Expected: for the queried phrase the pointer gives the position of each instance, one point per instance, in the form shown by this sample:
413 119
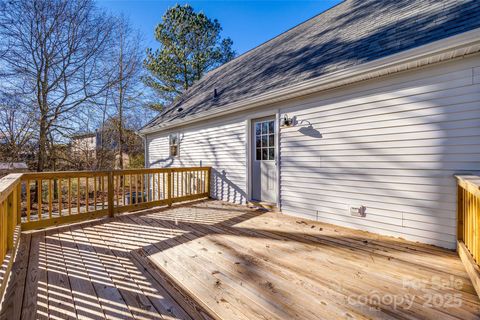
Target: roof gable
349 34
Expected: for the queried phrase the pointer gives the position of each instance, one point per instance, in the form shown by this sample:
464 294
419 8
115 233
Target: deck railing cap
7 183
473 180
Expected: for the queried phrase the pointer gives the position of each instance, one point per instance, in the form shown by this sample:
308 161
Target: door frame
249 147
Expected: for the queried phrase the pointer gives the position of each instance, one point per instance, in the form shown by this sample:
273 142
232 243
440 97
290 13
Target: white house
383 99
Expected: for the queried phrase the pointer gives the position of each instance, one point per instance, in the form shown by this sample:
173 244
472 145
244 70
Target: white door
264 164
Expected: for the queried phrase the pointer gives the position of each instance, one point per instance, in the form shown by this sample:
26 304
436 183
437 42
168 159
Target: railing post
209 172
169 188
18 203
10 220
110 194
460 229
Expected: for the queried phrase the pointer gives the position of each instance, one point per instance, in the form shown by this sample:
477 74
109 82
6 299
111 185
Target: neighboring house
91 146
85 144
384 103
12 167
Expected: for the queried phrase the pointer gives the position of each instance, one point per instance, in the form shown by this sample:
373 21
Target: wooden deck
215 260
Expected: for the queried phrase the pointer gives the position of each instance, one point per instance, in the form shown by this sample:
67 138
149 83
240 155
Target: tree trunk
42 146
120 105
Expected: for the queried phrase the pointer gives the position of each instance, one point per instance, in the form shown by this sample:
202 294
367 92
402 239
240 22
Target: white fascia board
438 51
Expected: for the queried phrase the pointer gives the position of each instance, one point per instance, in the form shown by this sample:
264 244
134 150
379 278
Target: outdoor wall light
286 121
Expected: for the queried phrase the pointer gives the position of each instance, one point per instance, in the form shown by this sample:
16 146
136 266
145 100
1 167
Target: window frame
174 145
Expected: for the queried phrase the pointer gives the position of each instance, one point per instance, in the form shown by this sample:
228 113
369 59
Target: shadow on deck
211 259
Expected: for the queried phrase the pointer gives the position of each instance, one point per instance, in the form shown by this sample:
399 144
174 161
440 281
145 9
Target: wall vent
358 211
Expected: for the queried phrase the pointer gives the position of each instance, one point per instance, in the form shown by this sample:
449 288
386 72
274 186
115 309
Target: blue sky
247 23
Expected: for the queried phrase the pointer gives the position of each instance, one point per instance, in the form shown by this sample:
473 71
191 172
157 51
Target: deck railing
51 198
37 200
468 226
9 224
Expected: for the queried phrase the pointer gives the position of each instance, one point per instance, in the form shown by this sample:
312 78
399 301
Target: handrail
9 224
52 198
40 199
468 226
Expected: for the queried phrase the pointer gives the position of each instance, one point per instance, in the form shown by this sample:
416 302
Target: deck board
213 260
12 309
109 297
85 298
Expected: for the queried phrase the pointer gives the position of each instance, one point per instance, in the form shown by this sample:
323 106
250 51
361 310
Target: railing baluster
142 176
78 195
95 193
11 219
136 189
50 198
39 201
111 210
87 195
69 196
153 186
195 181
148 188
28 200
122 185
160 186
130 186
164 187
117 183
102 183
60 197
169 188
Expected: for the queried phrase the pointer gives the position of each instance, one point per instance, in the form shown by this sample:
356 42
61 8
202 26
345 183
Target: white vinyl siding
221 146
391 144
393 151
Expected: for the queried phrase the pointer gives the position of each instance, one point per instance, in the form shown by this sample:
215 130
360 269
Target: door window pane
264 127
258 128
258 142
271 153
271 128
259 154
264 141
271 140
264 154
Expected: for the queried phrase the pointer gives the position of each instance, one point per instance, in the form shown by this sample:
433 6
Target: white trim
442 50
249 145
277 155
248 153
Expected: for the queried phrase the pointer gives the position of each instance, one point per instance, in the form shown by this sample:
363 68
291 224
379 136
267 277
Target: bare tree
127 92
16 129
56 54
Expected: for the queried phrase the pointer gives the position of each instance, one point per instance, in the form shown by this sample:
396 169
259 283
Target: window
174 145
265 140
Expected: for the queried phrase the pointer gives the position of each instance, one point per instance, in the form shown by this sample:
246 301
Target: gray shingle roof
13 166
349 34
